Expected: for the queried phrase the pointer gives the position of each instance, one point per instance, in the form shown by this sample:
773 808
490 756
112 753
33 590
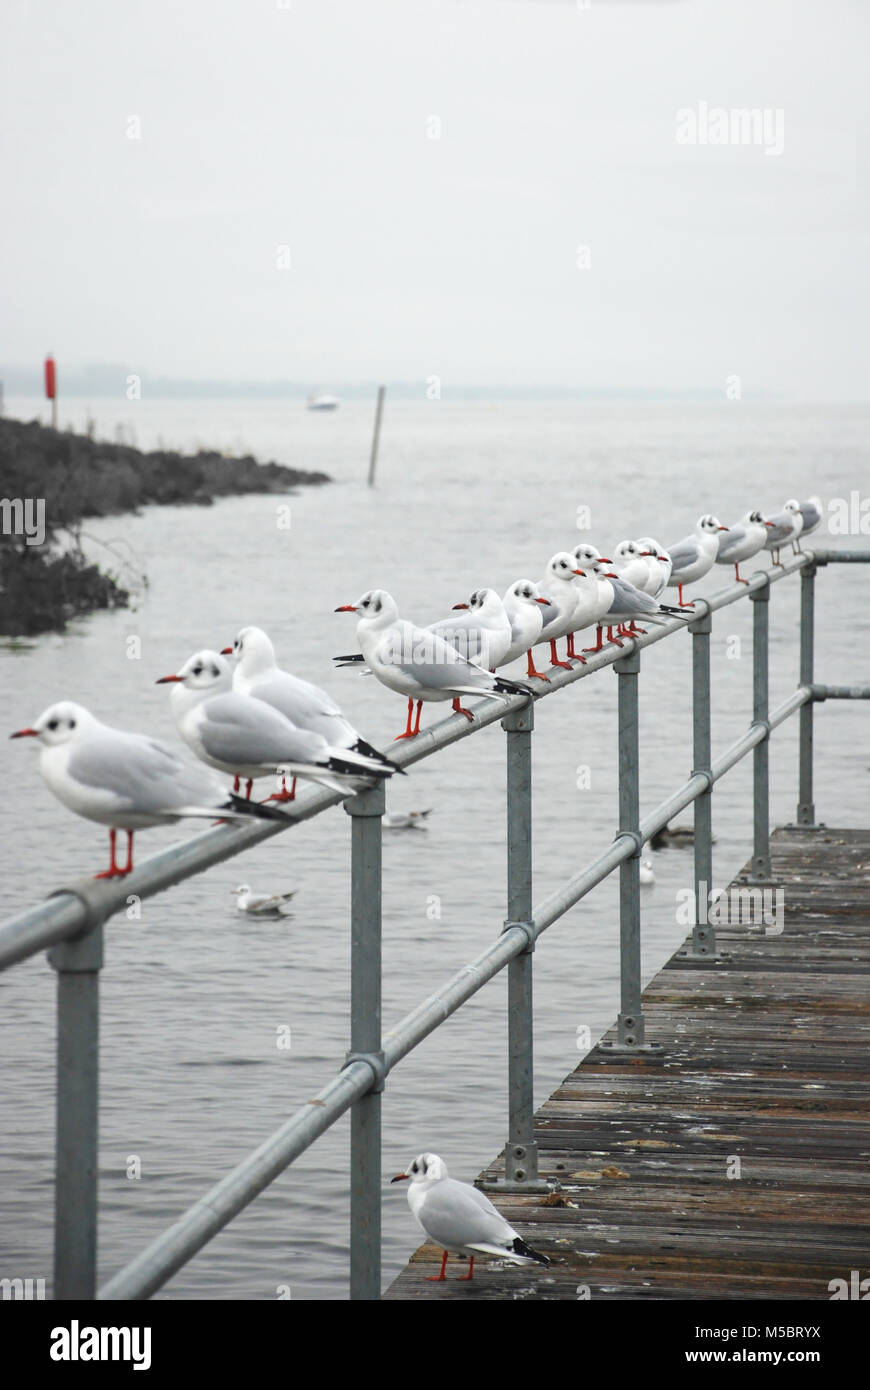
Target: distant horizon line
109 380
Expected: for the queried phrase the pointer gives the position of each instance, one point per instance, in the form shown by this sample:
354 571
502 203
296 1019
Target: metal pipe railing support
521 1150
366 810
630 1023
761 870
703 948
806 811
78 964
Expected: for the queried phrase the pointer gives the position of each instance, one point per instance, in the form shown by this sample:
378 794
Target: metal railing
70 924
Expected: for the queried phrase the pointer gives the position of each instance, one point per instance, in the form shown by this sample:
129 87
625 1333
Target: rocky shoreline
50 481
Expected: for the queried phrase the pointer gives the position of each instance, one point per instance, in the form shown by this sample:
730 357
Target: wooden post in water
379 410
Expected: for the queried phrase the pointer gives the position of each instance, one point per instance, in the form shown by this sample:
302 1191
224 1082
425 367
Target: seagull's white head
563 566
60 723
376 607
243 889
523 591
792 505
424 1168
625 551
709 524
485 601
254 648
649 545
586 555
205 670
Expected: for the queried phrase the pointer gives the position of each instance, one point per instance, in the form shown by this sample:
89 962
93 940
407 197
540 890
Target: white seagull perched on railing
480 631
418 663
126 781
785 526
461 1218
257 673
558 586
695 555
249 738
660 566
811 513
741 541
523 603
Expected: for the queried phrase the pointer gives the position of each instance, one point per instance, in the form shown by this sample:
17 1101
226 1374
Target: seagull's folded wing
425 657
685 552
454 1215
145 775
241 731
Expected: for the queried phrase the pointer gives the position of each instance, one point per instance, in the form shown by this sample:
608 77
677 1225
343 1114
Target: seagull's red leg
113 871
236 783
575 656
283 794
129 868
407 733
419 712
554 660
459 710
599 645
683 604
436 1278
248 785
531 668
470 1275
614 640
738 577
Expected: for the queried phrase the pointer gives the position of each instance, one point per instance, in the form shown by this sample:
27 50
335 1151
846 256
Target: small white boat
320 400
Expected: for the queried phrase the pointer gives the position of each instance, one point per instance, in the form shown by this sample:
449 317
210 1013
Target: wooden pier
736 1165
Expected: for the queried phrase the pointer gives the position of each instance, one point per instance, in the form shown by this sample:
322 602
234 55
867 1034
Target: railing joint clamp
707 775
764 724
818 693
377 1063
529 930
636 838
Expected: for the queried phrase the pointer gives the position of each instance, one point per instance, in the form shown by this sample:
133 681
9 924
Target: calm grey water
469 494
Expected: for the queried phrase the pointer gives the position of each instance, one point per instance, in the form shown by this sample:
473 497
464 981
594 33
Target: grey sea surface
196 999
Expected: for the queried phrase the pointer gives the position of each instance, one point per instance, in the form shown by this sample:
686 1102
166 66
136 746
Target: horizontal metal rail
76 913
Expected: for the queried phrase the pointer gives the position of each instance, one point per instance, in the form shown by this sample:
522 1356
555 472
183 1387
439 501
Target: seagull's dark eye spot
414 1168
197 670
72 723
378 606
52 723
215 671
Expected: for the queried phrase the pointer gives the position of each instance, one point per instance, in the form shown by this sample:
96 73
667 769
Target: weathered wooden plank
767 1059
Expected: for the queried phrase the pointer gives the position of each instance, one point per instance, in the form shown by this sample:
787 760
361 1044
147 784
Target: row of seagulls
130 781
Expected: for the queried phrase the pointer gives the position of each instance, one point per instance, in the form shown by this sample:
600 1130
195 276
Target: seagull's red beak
771 525
226 651
460 605
605 560
610 575
663 560
583 572
26 733
723 528
400 1177
345 608
545 601
164 680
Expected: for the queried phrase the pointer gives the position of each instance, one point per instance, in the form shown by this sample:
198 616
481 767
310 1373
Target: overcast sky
307 125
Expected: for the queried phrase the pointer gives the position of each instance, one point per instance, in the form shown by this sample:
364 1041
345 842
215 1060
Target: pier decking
735 1165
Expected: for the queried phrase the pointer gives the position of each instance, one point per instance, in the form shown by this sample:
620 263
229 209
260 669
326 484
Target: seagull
741 541
481 633
406 820
558 586
660 565
631 562
523 603
785 526
811 512
257 673
646 872
126 781
461 1218
261 904
417 663
692 557
248 738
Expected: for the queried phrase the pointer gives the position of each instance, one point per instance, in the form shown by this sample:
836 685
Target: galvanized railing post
703 946
521 1150
760 754
78 963
806 811
630 1024
366 810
